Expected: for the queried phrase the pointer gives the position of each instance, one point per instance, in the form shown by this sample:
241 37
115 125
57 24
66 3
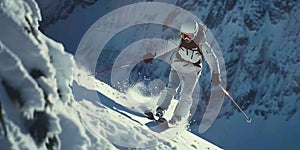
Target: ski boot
160 113
149 114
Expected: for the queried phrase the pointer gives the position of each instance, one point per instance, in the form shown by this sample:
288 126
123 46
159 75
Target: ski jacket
195 52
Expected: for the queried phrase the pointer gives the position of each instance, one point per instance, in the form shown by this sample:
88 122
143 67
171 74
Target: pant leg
168 93
188 84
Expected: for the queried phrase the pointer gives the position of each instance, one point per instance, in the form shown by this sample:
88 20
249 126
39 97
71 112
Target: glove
216 79
148 57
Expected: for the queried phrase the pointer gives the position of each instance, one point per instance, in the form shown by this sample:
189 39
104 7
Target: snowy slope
103 115
36 75
40 110
260 44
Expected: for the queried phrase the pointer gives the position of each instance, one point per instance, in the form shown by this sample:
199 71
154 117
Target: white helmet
189 30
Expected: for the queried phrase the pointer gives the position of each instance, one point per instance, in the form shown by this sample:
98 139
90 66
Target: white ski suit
186 63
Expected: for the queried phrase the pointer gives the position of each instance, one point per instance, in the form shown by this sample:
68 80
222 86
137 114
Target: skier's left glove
148 57
216 79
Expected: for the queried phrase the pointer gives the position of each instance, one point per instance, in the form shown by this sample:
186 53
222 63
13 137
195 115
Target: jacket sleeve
211 58
166 52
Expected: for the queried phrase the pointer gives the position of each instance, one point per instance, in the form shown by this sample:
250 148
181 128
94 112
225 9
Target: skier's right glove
148 57
216 79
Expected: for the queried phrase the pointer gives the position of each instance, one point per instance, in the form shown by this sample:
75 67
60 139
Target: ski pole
2 121
109 70
116 68
227 93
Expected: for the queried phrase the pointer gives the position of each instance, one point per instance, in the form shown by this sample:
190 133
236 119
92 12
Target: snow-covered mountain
60 9
261 54
259 41
43 107
259 44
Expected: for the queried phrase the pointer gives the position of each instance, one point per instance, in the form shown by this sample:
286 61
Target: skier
186 67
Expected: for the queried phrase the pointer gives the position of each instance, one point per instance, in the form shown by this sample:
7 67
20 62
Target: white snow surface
259 42
40 110
121 130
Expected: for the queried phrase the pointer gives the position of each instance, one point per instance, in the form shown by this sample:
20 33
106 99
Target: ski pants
184 74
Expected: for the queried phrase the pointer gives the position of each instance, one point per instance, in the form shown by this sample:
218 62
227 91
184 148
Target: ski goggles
187 36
